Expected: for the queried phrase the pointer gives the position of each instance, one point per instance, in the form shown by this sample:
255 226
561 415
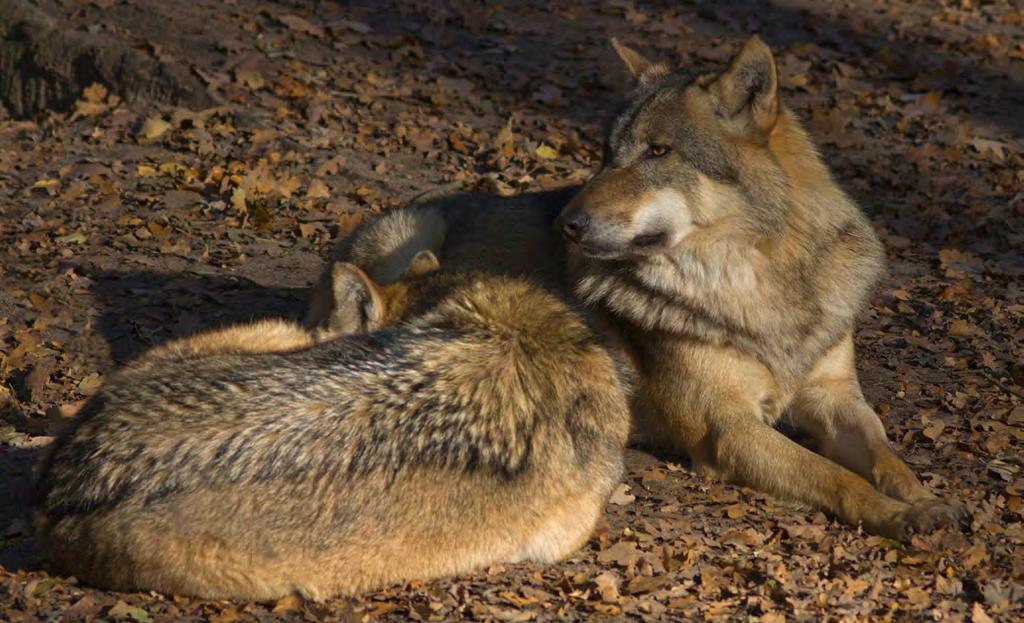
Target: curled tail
384 247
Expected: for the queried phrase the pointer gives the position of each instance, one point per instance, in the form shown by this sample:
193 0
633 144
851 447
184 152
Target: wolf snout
574 225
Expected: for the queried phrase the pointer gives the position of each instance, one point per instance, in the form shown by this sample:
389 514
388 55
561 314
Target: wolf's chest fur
785 304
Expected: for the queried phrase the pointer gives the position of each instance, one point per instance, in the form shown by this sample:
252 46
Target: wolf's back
366 460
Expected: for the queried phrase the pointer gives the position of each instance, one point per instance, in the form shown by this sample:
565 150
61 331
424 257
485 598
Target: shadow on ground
143 309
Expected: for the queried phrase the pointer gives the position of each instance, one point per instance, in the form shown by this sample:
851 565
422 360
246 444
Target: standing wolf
478 421
729 265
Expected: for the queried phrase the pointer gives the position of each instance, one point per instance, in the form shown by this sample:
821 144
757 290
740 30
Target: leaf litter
125 224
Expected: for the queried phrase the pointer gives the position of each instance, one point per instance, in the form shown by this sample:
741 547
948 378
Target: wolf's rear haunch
487 427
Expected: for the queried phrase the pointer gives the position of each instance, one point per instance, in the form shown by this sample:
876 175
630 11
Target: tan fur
728 266
462 433
272 335
511 236
735 290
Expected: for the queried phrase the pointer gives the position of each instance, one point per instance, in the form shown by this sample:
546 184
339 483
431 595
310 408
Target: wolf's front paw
929 515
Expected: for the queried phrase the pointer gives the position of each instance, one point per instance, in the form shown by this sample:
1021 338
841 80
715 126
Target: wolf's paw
929 515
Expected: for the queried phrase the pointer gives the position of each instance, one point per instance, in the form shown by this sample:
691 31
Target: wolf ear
422 263
357 304
748 91
639 67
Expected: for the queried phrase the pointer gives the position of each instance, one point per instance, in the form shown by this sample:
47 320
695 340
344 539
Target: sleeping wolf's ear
422 263
357 302
747 93
642 70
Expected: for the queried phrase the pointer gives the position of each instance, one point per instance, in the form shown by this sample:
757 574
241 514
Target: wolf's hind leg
831 407
262 336
849 432
564 530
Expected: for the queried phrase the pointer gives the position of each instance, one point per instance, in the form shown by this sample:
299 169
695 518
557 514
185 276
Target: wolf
446 431
716 244
726 264
505 236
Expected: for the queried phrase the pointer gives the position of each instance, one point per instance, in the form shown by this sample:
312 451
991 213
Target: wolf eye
659 150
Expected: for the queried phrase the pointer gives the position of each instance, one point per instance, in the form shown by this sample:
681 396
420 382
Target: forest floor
125 223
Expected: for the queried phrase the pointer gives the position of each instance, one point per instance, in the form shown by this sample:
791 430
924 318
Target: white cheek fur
668 210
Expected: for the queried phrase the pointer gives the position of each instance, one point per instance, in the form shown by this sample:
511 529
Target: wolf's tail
384 246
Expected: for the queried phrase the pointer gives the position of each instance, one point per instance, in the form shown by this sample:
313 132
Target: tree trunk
45 67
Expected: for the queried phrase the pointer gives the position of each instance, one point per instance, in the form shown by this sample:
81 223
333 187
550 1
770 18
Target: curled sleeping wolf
471 419
722 257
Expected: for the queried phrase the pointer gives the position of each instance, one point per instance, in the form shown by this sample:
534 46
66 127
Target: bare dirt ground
124 223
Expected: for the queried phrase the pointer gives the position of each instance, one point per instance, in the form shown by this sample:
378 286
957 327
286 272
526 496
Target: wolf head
690 153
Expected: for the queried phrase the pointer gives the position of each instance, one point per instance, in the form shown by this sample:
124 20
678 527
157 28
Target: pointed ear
422 263
748 92
639 67
357 302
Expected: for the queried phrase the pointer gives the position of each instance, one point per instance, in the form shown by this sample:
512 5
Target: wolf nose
575 225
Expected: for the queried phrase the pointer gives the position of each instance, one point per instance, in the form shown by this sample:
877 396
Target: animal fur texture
732 266
474 419
728 266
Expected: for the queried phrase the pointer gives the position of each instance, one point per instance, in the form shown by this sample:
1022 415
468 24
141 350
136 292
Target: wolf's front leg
746 451
717 405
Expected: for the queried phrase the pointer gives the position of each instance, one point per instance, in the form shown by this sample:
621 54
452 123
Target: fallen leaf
934 432
607 584
736 511
94 93
250 78
229 615
622 553
287 603
621 496
318 190
154 127
546 152
90 384
978 614
962 327
646 584
301 24
238 200
974 556
986 146
122 610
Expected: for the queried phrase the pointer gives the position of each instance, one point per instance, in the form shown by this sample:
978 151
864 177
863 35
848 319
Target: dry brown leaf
962 327
546 152
288 603
736 511
622 553
978 614
301 24
647 584
621 496
608 584
318 190
154 128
